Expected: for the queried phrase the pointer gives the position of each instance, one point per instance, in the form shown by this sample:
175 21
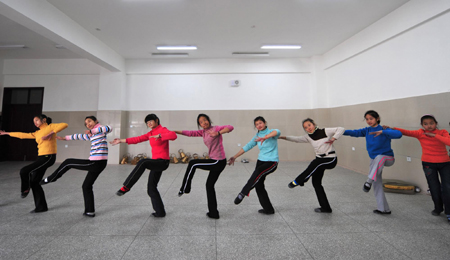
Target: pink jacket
214 144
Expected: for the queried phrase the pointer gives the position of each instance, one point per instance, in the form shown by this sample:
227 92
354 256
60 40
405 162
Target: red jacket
433 148
160 146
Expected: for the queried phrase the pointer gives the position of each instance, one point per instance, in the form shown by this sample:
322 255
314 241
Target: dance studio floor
125 229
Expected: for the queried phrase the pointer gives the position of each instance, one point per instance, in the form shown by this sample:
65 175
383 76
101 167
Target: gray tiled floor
124 229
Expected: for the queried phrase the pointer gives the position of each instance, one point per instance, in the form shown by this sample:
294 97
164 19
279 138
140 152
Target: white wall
205 84
70 85
112 90
382 64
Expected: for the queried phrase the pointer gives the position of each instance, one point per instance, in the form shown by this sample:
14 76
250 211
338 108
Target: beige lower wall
404 113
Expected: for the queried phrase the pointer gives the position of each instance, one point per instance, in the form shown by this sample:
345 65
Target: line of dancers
435 159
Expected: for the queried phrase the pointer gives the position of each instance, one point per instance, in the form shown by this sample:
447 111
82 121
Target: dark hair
41 117
93 118
427 117
308 120
205 116
259 118
374 114
153 117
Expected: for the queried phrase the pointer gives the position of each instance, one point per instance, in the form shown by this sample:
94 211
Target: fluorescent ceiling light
282 47
18 46
156 54
179 47
250 54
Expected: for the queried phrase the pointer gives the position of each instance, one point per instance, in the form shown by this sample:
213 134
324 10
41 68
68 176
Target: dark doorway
20 106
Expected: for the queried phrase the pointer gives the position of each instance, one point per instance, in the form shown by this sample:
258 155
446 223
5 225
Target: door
20 106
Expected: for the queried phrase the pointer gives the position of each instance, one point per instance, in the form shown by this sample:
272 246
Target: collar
44 125
315 129
156 128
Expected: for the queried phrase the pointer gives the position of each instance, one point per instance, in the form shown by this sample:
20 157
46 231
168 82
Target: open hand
115 141
46 137
231 161
260 139
430 134
376 133
60 138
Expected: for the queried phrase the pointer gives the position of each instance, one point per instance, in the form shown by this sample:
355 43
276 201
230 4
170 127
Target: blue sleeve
357 132
250 144
392 133
278 133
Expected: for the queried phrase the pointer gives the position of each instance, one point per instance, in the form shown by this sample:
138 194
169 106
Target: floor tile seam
176 235
299 240
42 246
135 237
376 233
355 220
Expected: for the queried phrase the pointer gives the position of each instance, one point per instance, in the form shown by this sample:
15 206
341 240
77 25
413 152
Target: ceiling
133 28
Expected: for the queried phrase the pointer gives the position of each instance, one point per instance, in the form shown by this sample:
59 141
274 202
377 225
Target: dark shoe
262 211
180 193
24 194
38 211
292 184
158 215
212 216
381 212
320 210
239 198
435 212
367 186
122 191
44 181
89 214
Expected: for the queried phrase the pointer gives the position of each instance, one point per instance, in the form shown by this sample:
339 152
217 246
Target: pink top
214 144
160 146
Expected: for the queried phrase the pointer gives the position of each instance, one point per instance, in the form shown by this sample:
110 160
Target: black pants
440 191
156 168
32 174
94 168
257 181
215 168
316 169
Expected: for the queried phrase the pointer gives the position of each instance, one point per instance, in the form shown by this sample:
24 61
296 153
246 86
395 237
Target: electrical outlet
408 158
353 148
66 145
239 145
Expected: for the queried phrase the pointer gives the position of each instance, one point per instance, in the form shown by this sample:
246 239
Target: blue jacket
376 145
268 151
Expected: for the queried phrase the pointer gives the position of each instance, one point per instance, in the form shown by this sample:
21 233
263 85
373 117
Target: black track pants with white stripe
94 168
215 168
257 181
32 174
316 169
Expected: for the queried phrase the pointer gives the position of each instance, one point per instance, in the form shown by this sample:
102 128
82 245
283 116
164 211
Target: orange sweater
433 148
44 146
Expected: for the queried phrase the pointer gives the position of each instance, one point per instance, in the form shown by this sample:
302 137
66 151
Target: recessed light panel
176 48
281 47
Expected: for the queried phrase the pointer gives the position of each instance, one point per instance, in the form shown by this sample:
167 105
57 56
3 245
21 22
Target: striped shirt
99 145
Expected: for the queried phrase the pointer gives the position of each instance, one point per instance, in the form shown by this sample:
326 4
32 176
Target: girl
434 160
158 137
212 137
378 144
32 174
267 141
96 133
325 158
